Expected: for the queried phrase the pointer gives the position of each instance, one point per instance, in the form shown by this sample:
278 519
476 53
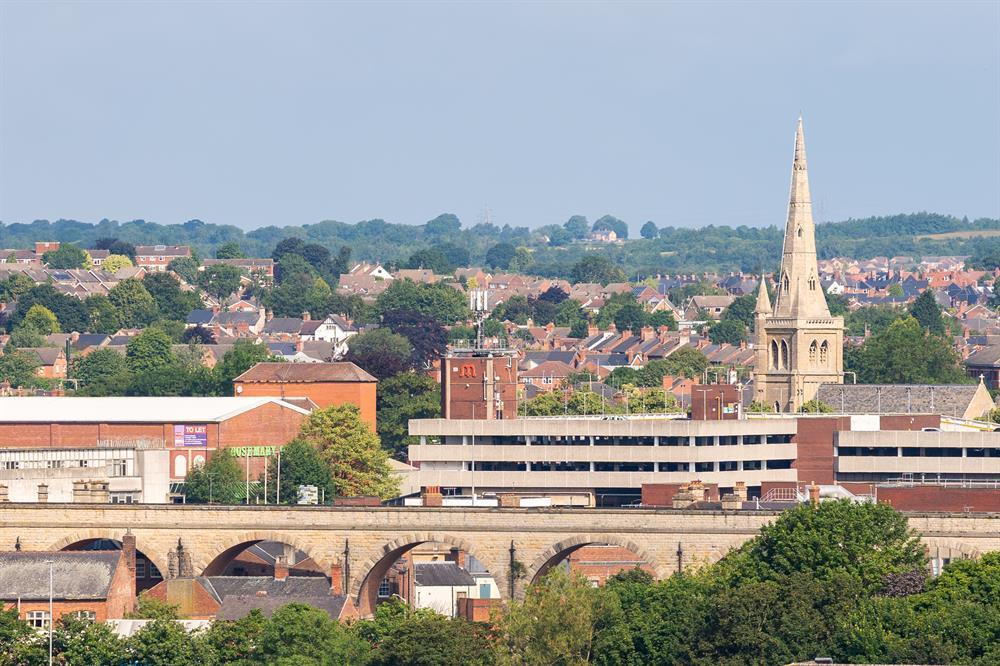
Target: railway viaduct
357 545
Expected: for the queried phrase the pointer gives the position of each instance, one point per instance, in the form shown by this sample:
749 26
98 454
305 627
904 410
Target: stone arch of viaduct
358 544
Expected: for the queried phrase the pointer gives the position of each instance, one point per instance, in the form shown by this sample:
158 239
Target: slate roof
283 325
947 400
223 587
441 574
200 317
344 371
76 575
988 356
236 607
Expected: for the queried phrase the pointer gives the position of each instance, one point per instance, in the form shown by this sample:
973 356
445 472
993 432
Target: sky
261 113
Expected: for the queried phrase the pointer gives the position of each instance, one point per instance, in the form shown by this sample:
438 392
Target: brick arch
364 587
157 558
952 550
213 559
555 553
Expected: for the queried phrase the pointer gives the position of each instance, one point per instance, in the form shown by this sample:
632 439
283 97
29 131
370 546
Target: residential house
156 258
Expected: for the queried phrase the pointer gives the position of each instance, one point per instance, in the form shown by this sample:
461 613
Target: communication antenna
479 304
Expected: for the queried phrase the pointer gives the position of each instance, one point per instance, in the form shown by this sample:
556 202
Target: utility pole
50 563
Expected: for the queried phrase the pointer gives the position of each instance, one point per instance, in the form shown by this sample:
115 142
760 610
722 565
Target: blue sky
681 113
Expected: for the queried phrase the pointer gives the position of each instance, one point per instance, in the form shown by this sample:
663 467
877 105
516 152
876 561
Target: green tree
358 464
25 337
500 256
431 259
69 310
41 319
86 643
630 316
742 310
727 331
405 396
115 262
220 280
425 334
380 352
562 620
301 465
305 635
219 481
595 268
577 226
430 639
164 643
243 356
649 231
895 290
136 306
905 353
172 301
862 542
186 268
236 642
19 642
149 351
815 406
611 223
18 368
438 300
231 250
102 316
148 607
67 256
926 311
101 372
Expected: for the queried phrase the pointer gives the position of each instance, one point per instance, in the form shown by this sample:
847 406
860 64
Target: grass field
982 233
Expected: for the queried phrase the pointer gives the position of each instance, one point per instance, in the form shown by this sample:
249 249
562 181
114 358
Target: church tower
798 344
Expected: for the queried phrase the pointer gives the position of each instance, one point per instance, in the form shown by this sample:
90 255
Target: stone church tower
798 344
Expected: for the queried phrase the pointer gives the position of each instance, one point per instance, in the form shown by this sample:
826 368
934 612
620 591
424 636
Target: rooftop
344 371
130 410
76 574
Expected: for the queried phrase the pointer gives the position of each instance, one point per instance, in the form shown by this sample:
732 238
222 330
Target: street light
50 563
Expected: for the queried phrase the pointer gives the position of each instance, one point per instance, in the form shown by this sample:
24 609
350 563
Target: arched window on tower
774 354
824 353
784 355
798 232
812 352
812 283
784 282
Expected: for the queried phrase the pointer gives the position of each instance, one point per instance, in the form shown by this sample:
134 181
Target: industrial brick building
155 441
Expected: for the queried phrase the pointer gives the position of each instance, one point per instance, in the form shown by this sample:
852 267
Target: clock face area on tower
799 344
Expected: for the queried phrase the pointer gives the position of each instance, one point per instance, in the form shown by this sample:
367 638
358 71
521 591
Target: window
824 352
86 615
813 347
751 465
384 589
154 572
140 568
798 232
784 354
674 467
10 464
119 467
774 354
728 466
38 619
180 467
703 466
54 464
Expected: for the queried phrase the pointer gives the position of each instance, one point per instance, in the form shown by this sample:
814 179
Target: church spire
763 300
799 293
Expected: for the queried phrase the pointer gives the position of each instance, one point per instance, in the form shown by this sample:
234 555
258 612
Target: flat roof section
603 427
343 371
130 410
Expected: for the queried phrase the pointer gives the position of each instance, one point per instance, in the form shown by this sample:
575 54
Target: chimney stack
128 550
280 568
814 494
741 490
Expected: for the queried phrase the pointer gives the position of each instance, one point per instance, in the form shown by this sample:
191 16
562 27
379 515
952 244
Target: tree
243 356
136 306
301 465
77 641
500 256
115 246
728 331
905 353
454 254
430 639
926 311
24 337
198 335
102 316
231 250
116 262
595 268
863 542
164 643
380 352
742 310
611 223
220 280
19 642
150 350
358 464
101 372
662 318
431 259
297 635
425 333
649 231
630 316
186 268
220 481
236 642
19 368
577 226
67 256
69 310
815 406
895 290
438 300
562 620
405 396
172 301
41 319
443 226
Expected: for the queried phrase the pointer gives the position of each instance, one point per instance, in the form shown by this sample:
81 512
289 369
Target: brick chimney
280 568
306 316
697 490
336 580
457 555
647 333
128 550
814 494
432 496
592 330
741 490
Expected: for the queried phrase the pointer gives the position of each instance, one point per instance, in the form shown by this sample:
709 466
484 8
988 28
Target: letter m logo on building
467 370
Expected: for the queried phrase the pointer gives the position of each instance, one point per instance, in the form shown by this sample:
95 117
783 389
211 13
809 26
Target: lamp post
50 563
